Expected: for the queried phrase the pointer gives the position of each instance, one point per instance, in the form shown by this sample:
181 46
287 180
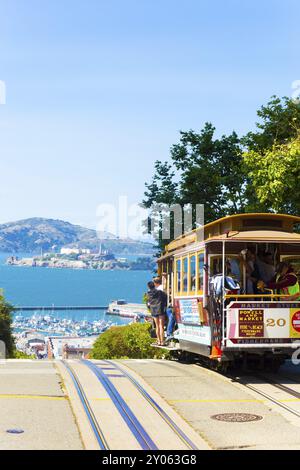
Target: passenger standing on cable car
252 271
169 314
157 302
285 282
158 283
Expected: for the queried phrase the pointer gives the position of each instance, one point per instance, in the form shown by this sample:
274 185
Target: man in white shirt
158 284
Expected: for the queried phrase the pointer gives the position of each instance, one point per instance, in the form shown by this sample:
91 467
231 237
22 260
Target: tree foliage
279 124
203 170
271 159
211 171
275 176
131 341
232 174
5 327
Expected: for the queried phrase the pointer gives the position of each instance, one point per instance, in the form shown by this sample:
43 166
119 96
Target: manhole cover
237 417
15 431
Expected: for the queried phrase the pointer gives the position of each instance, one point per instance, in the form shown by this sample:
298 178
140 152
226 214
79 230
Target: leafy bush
6 335
131 341
5 327
20 355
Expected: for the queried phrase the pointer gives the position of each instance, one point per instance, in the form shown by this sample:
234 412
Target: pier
60 307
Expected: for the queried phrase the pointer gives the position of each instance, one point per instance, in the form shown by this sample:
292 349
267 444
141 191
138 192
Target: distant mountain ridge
36 234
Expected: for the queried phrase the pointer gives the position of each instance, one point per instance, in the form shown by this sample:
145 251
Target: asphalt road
140 403
198 394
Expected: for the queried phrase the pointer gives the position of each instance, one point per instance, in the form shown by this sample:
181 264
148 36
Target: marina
128 310
49 324
46 334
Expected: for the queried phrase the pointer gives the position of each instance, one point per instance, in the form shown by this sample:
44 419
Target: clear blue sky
98 90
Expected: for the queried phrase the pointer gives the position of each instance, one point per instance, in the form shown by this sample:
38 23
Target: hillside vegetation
5 328
127 342
36 234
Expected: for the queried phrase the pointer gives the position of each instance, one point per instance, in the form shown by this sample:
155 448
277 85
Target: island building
75 251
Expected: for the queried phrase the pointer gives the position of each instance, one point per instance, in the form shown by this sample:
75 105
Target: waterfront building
60 346
70 251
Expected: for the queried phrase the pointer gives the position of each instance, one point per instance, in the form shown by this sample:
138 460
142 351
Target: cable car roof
249 227
268 236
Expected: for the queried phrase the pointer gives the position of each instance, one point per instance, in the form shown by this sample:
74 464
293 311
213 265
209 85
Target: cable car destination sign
262 321
251 323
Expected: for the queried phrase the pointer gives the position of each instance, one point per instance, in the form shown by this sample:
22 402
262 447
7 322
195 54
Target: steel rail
128 416
184 438
87 408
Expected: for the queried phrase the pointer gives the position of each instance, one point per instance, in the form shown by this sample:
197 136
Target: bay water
27 286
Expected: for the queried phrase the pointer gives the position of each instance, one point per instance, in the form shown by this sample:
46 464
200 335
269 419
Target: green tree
211 171
256 173
275 176
279 123
203 170
163 189
5 327
271 159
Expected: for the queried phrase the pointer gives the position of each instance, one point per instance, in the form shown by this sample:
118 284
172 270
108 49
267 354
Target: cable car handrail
255 296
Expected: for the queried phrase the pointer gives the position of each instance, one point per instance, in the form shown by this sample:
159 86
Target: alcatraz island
80 258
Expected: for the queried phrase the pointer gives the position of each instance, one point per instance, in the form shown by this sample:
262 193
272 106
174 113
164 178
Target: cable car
221 317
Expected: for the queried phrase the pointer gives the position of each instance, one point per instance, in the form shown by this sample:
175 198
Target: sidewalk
31 399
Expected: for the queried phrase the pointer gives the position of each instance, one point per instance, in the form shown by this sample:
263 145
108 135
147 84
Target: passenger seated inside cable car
285 282
255 265
266 265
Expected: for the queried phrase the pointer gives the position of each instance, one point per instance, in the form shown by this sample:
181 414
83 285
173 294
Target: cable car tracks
129 417
136 418
273 400
265 380
87 408
185 439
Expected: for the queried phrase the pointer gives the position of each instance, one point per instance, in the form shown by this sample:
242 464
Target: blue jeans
171 321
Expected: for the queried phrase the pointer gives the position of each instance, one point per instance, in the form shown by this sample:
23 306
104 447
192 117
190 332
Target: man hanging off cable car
285 282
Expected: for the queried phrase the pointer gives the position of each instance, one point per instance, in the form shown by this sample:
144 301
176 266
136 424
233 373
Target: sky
96 91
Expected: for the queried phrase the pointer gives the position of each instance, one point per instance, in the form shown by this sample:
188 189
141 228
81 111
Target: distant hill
36 234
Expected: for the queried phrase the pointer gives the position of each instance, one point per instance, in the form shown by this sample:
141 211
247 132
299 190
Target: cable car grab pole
224 292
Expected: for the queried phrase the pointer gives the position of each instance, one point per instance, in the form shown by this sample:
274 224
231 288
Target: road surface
145 404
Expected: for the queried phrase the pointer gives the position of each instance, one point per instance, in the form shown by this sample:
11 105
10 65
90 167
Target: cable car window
178 275
164 267
215 265
185 274
200 271
193 273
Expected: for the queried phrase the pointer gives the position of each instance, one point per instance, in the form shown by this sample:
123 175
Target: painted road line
184 438
128 416
272 399
217 401
31 397
231 401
